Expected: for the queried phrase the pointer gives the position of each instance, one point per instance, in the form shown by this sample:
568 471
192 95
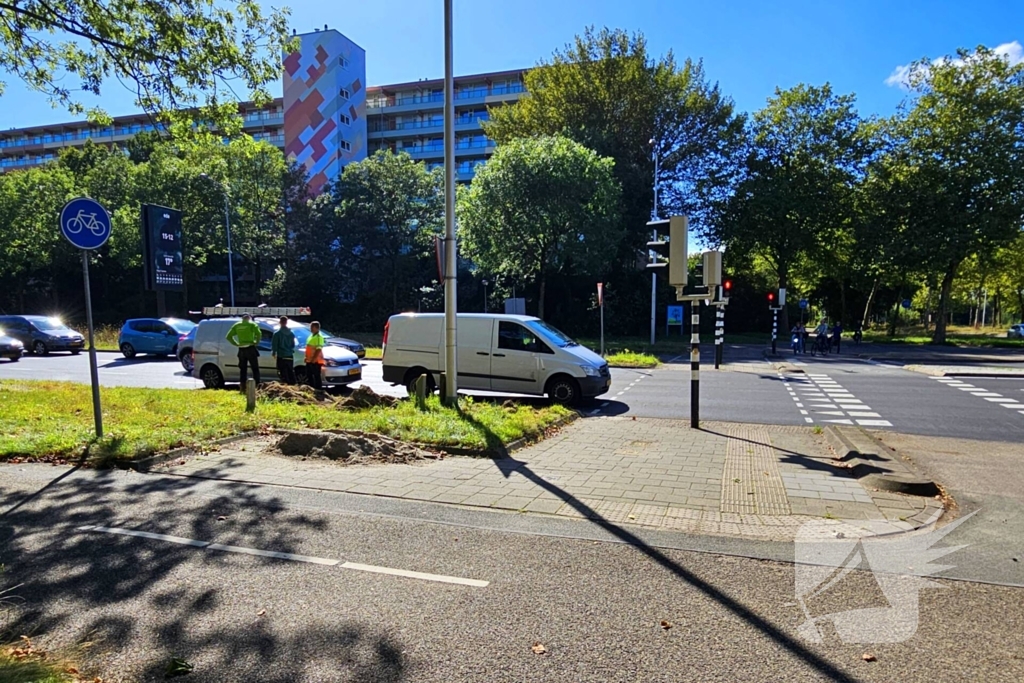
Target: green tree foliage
539 206
793 199
606 92
186 54
955 170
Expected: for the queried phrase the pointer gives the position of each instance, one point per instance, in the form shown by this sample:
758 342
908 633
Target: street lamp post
227 228
654 216
485 295
451 384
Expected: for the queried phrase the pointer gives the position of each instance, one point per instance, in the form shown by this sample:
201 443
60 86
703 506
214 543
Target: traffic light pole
775 327
719 333
694 364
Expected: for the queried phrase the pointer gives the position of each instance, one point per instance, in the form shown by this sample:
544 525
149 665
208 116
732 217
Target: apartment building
326 118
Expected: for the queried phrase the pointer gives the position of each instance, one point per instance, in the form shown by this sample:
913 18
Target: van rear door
474 335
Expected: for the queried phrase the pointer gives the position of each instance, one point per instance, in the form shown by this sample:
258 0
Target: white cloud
1012 52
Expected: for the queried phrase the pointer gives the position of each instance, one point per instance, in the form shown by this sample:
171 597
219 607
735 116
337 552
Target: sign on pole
803 303
86 224
906 303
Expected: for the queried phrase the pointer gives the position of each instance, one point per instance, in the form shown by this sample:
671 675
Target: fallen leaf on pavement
70 670
222 518
868 657
539 649
666 624
261 612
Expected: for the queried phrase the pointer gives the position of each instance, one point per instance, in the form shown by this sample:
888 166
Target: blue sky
748 47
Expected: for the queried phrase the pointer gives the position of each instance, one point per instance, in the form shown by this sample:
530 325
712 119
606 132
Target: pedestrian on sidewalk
282 348
246 336
315 356
837 335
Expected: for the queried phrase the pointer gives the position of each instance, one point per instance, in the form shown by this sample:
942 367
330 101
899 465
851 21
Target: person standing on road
246 335
837 335
282 348
315 356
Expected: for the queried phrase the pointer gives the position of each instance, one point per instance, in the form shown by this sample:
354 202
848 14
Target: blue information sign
85 223
803 303
906 303
675 315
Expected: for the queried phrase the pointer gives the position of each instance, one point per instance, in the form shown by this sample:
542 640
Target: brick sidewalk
756 481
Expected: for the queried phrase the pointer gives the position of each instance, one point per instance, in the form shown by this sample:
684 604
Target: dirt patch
363 397
350 447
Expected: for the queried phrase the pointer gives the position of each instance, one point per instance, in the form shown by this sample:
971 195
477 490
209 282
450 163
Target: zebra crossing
991 396
820 398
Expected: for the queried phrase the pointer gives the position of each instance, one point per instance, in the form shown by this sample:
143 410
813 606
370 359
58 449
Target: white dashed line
827 397
206 545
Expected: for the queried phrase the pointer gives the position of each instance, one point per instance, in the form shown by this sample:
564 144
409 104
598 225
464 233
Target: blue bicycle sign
85 223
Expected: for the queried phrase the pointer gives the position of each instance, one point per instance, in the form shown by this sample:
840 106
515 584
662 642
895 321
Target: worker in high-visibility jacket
315 356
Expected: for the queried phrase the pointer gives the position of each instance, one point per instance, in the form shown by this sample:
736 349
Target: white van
503 353
216 359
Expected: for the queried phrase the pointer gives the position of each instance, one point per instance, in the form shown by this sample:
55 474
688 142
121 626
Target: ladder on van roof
262 311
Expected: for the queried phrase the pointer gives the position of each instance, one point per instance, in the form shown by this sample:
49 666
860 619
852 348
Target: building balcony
397 104
401 130
257 119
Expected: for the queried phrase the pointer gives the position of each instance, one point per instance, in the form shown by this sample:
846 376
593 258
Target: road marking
809 419
1013 406
859 413
1001 400
441 578
206 545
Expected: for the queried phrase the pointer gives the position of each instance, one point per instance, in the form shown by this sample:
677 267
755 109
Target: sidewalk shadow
126 593
509 465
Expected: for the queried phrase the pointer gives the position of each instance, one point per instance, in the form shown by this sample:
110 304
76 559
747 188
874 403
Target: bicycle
83 221
821 346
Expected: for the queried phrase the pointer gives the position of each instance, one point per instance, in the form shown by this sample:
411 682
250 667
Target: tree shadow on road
133 598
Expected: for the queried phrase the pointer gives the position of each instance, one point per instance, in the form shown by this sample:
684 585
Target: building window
345 145
344 94
343 62
345 119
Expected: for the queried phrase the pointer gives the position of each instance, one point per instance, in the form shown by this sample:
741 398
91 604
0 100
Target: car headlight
331 363
591 371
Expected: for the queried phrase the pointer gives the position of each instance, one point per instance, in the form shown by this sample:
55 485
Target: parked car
157 336
185 343
331 340
215 360
41 335
504 353
1016 331
10 347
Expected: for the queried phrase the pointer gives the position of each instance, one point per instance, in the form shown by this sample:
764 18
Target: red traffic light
771 297
727 285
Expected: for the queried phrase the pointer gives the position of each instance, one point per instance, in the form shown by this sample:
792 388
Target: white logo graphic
85 220
896 559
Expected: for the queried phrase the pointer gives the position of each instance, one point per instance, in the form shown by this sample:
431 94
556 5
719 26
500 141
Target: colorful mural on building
325 105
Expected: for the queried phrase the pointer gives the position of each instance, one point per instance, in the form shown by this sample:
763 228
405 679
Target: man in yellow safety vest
315 356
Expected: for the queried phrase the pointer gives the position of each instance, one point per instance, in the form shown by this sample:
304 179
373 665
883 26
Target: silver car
1015 332
10 347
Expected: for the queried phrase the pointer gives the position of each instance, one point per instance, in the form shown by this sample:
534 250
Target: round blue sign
803 303
906 303
85 223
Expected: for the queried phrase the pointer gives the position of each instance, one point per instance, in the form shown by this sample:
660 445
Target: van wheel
128 350
564 390
212 378
415 374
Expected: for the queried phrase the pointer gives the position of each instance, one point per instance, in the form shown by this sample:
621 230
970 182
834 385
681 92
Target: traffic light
726 288
771 298
712 276
673 251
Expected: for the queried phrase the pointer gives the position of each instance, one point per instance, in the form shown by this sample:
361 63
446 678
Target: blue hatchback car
157 336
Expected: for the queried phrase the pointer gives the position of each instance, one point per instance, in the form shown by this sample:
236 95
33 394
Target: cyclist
821 336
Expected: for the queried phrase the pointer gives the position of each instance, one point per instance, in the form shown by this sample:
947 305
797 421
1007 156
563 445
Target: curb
870 463
935 372
145 464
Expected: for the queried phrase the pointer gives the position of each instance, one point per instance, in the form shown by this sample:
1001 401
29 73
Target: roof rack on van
267 311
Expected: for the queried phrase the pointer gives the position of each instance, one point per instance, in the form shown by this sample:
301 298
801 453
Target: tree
538 206
606 92
793 198
187 54
390 208
959 162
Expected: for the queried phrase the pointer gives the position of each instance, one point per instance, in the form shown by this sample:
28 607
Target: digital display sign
163 257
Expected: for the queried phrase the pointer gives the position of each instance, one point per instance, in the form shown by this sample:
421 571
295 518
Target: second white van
502 353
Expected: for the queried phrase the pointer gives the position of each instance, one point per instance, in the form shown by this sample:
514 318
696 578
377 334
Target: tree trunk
868 303
1020 301
543 286
944 294
394 284
842 301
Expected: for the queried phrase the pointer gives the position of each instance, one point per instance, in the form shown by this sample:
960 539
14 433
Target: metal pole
719 334
231 267
695 364
654 238
451 387
775 327
97 413
602 326
485 296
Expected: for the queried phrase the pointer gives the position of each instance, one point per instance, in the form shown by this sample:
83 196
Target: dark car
10 347
156 336
41 334
331 340
185 344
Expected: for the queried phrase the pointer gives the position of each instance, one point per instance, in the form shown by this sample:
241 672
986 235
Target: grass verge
632 359
40 419
21 662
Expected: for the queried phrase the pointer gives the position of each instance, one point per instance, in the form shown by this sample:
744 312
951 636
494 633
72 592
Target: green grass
956 335
54 419
631 359
30 671
671 346
104 336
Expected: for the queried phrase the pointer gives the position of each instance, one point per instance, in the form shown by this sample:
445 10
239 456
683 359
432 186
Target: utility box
515 306
712 268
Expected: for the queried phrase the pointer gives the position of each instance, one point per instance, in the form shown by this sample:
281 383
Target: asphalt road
594 597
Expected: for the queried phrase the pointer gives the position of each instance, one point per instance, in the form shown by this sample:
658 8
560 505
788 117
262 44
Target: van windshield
551 334
49 324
